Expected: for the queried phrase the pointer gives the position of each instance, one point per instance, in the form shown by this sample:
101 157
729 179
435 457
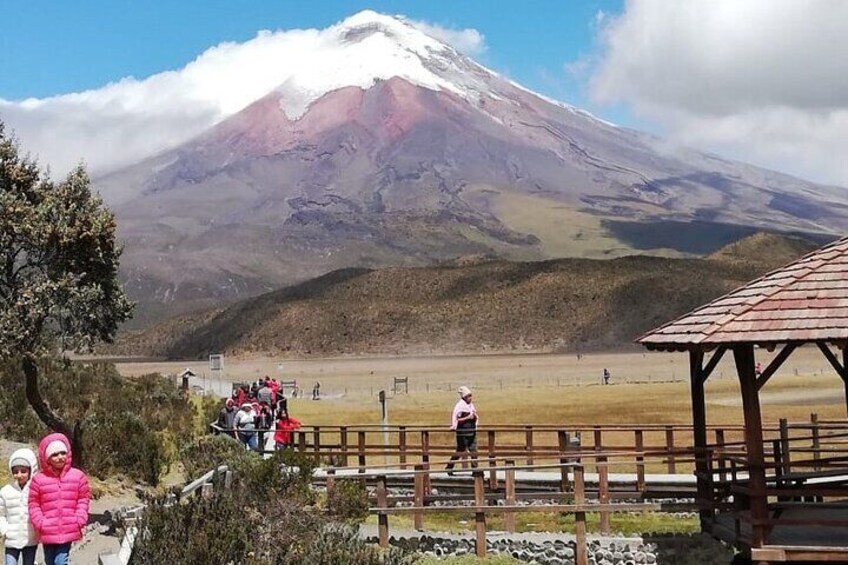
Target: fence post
528 444
784 446
669 446
493 474
418 497
479 515
719 439
814 421
562 440
382 517
603 492
331 478
402 446
343 444
639 442
316 440
580 549
301 442
425 458
598 445
361 450
509 516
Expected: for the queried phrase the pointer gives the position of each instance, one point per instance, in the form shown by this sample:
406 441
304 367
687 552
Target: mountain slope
474 305
394 149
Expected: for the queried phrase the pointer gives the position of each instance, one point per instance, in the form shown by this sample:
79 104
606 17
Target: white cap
55 447
464 391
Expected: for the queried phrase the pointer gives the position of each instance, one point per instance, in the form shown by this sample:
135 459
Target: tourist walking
606 376
59 497
245 424
227 418
316 391
284 435
19 536
464 423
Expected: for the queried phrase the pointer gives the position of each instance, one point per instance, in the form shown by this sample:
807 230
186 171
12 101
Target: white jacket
15 526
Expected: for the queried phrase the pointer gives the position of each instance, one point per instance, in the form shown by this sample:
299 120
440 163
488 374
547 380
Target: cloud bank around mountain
130 119
763 81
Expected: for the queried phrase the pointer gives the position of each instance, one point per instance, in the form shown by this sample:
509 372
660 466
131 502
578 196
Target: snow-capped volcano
369 47
385 146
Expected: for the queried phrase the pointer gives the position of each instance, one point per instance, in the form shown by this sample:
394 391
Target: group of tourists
256 410
46 502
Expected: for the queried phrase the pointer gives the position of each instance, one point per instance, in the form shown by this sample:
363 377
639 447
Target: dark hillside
475 305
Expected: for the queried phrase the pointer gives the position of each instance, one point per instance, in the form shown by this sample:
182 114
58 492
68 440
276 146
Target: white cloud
128 120
468 41
762 80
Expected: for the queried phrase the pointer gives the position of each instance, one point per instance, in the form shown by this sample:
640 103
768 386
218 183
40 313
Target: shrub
123 443
208 452
347 501
129 426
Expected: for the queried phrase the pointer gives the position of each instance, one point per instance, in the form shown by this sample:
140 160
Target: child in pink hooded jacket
59 497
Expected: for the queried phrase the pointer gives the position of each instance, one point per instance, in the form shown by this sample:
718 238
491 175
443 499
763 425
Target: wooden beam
699 427
745 367
844 375
711 364
840 369
775 364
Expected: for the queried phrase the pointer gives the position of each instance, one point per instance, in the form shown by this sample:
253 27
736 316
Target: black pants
465 442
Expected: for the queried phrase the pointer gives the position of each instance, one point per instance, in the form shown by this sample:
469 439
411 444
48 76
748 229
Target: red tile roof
805 301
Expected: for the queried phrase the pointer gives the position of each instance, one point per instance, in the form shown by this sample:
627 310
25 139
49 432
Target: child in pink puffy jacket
59 496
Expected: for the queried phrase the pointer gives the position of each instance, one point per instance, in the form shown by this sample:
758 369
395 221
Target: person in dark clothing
264 422
464 423
227 417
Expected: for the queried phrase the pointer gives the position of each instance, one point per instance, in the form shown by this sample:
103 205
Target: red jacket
285 429
58 503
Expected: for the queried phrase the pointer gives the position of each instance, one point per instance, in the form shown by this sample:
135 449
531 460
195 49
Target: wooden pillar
844 374
745 367
699 430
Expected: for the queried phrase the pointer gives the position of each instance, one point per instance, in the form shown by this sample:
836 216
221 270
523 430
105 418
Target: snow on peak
368 47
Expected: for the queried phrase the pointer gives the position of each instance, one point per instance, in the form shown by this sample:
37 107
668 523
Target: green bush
267 516
129 426
347 501
209 452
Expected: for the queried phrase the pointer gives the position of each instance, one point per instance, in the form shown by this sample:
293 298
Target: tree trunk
47 415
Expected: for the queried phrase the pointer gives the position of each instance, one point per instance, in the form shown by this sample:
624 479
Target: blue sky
51 48
761 81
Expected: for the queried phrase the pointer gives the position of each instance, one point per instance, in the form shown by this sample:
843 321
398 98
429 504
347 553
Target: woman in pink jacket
59 496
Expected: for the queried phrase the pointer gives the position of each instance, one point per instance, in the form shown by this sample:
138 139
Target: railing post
639 443
562 440
580 550
301 442
784 447
719 439
361 450
493 474
509 516
669 446
598 441
603 492
479 515
425 459
402 446
343 445
528 443
418 497
382 517
814 421
316 441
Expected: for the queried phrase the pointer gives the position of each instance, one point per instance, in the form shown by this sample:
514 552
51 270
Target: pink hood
42 456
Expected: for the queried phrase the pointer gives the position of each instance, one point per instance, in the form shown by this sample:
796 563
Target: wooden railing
499 496
806 469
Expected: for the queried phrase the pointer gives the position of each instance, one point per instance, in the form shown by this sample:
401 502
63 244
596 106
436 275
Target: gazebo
769 509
